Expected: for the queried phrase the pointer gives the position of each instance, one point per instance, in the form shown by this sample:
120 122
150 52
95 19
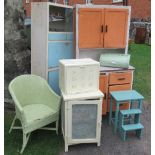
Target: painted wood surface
57 51
79 76
57 36
39 28
82 96
53 80
90 28
116 23
60 36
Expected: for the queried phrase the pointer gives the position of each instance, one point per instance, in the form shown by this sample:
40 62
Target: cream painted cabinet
81 116
79 75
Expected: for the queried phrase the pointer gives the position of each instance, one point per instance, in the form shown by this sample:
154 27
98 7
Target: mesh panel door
84 118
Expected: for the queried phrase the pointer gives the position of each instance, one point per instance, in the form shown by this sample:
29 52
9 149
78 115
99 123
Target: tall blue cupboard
51 39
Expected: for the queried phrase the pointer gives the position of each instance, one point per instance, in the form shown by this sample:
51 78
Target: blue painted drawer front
60 36
57 51
57 36
53 80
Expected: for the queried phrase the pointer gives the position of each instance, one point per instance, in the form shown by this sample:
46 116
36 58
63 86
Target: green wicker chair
36 105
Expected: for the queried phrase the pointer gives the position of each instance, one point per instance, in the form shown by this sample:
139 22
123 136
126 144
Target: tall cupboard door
104 88
116 24
90 28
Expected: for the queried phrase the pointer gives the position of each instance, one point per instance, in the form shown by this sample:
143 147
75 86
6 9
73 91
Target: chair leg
25 140
57 126
13 122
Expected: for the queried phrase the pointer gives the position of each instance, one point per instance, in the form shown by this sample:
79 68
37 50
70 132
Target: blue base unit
53 80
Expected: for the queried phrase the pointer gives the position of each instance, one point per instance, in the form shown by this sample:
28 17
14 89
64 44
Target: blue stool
121 97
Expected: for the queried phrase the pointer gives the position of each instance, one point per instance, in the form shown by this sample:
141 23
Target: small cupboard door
104 88
83 120
116 23
90 28
59 50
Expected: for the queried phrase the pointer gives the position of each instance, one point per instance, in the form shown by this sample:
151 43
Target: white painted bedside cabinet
81 116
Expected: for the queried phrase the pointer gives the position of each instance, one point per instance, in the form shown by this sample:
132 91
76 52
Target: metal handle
105 96
106 28
101 28
121 79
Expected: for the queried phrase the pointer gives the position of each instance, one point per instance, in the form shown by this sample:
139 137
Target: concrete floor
112 144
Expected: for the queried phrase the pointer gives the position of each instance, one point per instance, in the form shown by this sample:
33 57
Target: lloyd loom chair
36 105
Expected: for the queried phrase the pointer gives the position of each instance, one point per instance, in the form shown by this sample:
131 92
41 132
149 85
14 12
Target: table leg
140 104
131 106
116 117
110 112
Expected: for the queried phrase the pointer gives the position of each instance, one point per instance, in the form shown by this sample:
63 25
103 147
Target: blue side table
120 97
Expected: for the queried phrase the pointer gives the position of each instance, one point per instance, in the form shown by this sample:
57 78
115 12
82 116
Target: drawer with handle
120 78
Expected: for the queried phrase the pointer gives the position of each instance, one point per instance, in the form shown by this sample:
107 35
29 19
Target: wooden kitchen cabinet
114 81
103 27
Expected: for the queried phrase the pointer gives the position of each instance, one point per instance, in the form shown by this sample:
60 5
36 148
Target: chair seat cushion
36 112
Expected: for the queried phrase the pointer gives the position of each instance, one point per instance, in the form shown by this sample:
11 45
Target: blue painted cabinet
51 40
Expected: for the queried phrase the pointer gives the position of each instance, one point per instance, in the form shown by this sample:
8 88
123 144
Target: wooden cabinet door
90 28
116 26
103 86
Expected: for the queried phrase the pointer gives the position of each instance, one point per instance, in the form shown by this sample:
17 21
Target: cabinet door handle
105 96
106 28
121 79
101 28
